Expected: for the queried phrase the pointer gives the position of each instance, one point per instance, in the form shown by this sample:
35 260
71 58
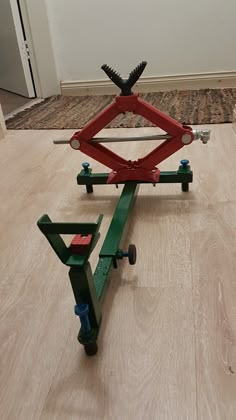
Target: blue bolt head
184 163
86 166
82 309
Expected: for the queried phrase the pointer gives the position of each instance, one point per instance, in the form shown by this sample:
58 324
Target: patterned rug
204 106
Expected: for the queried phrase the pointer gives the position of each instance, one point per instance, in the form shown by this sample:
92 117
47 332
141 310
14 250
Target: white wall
174 36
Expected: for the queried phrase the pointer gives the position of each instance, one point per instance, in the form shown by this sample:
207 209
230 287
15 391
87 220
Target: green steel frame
89 288
181 176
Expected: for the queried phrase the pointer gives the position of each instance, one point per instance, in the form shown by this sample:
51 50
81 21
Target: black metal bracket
125 85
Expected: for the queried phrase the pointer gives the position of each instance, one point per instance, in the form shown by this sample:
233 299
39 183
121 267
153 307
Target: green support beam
101 276
112 240
166 177
115 231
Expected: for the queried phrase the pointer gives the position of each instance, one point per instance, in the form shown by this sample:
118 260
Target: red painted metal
80 244
143 169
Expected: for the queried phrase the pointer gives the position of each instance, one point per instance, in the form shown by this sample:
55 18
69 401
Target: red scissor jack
89 287
143 169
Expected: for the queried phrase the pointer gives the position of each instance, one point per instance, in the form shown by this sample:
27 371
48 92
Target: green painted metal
110 248
87 287
101 274
184 171
80 273
85 292
47 226
52 232
166 177
115 231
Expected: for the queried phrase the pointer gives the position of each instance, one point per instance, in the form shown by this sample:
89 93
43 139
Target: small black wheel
89 188
91 348
132 254
185 186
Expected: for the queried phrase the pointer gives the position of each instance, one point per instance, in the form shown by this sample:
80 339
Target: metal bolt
125 254
184 163
82 310
121 254
131 254
86 167
203 135
186 138
75 144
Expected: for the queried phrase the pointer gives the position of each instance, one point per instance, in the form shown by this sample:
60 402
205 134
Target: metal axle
203 135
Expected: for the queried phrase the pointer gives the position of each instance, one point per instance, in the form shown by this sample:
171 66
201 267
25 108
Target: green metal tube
112 240
115 231
166 177
101 276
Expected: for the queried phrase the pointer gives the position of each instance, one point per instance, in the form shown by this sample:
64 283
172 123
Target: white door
15 70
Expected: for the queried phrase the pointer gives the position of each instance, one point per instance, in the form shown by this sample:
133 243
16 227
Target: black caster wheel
132 254
89 189
91 348
185 186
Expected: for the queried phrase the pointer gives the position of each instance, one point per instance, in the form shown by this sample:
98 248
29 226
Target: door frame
3 130
36 26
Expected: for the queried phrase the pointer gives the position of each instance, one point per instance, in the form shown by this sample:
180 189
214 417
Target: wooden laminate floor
167 348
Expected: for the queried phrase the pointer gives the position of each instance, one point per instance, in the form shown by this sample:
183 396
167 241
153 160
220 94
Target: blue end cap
82 309
86 166
184 163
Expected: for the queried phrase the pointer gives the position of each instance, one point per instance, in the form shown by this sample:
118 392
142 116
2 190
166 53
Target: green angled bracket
52 231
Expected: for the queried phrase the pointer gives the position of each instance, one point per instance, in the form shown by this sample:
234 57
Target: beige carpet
205 106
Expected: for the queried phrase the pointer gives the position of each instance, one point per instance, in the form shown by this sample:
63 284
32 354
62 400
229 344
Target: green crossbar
166 177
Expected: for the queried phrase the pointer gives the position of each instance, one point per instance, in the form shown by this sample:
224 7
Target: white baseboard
152 84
